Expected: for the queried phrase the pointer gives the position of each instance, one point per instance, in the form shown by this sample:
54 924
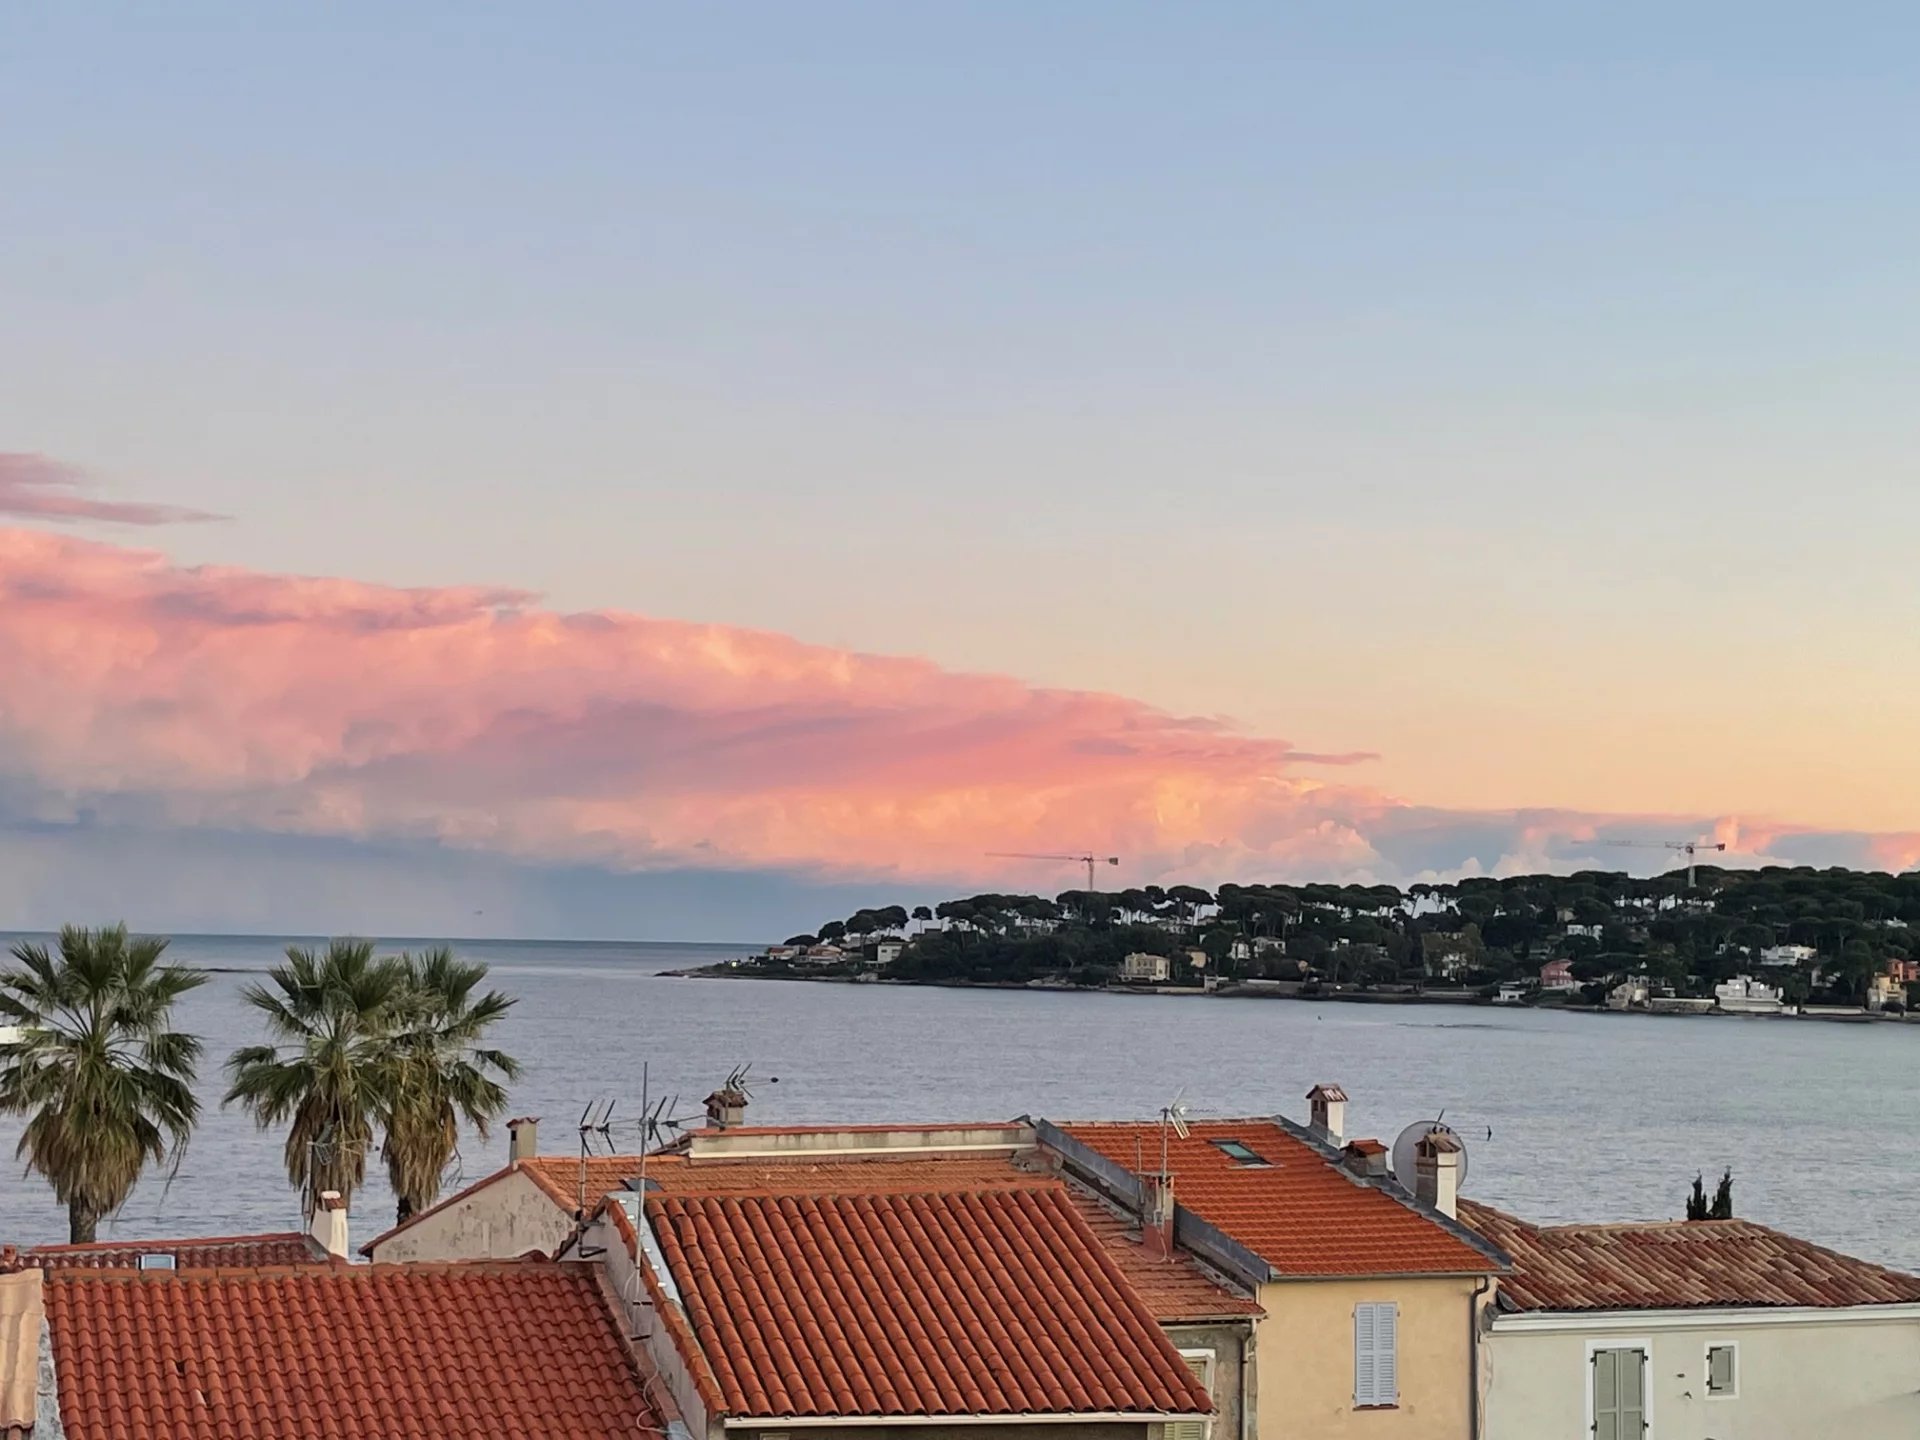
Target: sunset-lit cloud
141 693
33 487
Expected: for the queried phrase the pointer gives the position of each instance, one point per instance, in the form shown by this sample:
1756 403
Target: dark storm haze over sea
1593 1117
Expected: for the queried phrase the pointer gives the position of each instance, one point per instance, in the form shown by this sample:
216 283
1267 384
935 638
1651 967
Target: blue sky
1517 393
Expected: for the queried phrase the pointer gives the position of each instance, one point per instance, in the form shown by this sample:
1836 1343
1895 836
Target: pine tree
1723 1199
1697 1202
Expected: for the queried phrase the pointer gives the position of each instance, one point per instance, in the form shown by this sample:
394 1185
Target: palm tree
105 1080
329 1068
442 1073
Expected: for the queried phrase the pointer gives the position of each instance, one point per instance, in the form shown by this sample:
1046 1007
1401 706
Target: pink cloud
478 719
33 487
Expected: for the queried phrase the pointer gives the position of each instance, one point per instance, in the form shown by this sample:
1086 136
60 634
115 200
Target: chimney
726 1109
1365 1158
1436 1170
1156 1216
1329 1121
329 1225
523 1138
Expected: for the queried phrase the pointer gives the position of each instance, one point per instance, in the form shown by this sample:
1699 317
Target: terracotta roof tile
1300 1211
194 1253
1175 1289
1675 1265
996 1301
432 1352
20 1319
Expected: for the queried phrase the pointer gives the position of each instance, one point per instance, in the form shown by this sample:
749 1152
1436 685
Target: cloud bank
33 487
136 693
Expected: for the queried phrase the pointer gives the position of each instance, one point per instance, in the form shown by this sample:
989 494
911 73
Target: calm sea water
1591 1117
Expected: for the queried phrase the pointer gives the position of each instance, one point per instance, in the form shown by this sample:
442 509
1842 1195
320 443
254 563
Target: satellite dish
1403 1158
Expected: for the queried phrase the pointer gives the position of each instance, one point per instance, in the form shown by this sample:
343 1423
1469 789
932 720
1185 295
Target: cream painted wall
500 1221
1306 1360
1806 1380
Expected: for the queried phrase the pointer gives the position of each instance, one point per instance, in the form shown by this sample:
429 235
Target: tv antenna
1173 1116
1087 860
1405 1157
596 1119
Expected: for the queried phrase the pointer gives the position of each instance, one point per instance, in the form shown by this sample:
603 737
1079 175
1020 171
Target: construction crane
1087 860
1686 847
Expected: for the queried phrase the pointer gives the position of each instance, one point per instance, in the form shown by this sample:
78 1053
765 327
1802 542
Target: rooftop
1263 1184
992 1300
1676 1265
290 1247
429 1351
1176 1290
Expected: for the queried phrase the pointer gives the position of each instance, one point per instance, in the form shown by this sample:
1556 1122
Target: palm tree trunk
81 1222
403 1210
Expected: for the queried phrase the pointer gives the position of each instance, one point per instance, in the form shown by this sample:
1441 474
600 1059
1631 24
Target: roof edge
1004 1417
435 1208
1500 1260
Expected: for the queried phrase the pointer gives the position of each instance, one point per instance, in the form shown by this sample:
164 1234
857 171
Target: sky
683 472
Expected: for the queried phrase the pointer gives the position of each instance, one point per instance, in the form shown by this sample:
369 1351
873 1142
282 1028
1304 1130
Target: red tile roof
433 1352
996 1301
1301 1212
1175 1289
829 1174
1675 1265
196 1253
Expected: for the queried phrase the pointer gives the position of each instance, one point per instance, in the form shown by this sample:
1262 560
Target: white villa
1709 1328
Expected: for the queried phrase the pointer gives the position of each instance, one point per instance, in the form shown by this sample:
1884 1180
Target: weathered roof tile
1677 1264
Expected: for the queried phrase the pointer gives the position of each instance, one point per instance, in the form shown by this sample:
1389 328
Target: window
1376 1355
1619 1394
1200 1362
156 1262
1240 1152
1723 1371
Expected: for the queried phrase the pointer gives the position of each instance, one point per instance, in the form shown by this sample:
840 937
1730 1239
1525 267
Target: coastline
1466 998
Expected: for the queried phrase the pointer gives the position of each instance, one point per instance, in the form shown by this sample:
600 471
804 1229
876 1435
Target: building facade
1696 1330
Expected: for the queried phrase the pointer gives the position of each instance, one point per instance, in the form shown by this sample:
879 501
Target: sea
1566 1117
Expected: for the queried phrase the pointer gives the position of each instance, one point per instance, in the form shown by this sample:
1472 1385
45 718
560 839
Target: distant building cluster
1707 939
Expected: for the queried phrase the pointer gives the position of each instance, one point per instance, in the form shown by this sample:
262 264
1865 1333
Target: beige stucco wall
499 1221
1306 1360
1807 1380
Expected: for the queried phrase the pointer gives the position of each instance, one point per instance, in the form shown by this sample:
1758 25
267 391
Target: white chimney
330 1223
1436 1171
523 1138
1329 1121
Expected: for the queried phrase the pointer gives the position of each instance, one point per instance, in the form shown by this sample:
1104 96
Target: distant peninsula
1777 940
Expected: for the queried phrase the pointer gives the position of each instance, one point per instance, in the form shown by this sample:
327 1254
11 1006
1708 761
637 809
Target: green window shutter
1606 1395
1633 1395
1720 1372
1619 1395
